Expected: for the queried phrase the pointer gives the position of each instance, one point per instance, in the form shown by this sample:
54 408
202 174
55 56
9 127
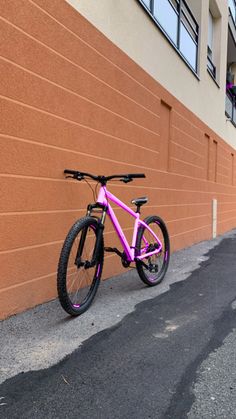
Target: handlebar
75 174
136 175
79 175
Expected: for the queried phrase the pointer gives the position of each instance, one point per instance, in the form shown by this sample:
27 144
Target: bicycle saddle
140 201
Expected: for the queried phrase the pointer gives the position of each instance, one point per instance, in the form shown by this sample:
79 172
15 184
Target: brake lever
126 179
76 177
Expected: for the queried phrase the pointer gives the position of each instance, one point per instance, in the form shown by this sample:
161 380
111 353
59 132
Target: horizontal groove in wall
225 147
106 233
226 212
19 213
222 157
143 148
75 210
176 220
77 66
71 92
180 154
40 278
188 121
227 220
94 49
14 227
58 242
190 231
185 162
37 246
18 102
185 176
221 204
187 135
225 169
46 96
114 184
183 205
87 133
51 152
188 149
73 63
222 175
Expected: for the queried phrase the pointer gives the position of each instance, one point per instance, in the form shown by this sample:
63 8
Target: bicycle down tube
103 197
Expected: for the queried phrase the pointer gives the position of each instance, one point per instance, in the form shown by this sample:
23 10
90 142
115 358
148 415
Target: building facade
105 87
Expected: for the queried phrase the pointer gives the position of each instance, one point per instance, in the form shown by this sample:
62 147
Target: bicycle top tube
75 174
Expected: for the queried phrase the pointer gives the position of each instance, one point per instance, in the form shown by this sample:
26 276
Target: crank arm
143 263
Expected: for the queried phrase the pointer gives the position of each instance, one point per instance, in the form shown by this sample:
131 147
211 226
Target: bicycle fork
99 235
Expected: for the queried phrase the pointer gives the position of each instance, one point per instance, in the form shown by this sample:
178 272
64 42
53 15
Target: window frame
180 12
232 114
211 67
231 12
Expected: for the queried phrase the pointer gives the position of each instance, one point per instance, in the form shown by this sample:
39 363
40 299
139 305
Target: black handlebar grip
137 175
71 172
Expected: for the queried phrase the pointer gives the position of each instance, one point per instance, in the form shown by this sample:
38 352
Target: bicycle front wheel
77 278
153 268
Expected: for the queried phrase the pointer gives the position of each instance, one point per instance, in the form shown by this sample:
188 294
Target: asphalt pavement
139 352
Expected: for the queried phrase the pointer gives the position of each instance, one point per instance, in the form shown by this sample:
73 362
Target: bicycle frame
103 199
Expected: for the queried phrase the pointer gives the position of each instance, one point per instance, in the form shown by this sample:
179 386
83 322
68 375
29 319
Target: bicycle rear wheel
153 268
77 282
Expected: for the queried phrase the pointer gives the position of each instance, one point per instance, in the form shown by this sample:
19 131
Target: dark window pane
211 67
175 3
228 105
189 19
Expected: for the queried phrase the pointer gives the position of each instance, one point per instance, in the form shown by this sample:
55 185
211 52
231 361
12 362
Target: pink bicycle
81 260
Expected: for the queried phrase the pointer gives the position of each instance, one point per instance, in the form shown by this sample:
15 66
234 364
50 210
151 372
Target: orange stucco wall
70 99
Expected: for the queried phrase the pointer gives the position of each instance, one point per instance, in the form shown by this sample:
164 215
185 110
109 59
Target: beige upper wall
126 23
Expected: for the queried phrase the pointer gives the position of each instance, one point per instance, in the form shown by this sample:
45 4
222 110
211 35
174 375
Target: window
210 34
232 8
177 22
167 16
188 36
147 3
211 67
